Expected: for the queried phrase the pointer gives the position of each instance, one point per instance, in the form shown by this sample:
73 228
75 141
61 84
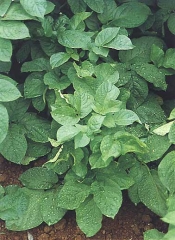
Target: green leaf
110 7
107 71
66 133
129 143
78 18
8 91
72 195
65 116
121 42
171 23
89 217
37 128
166 171
35 7
131 14
5 66
75 39
152 74
16 12
164 129
151 194
49 208
169 218
150 111
157 55
171 134
169 58
107 196
37 150
94 123
16 109
157 146
81 140
14 146
5 50
142 50
153 234
4 122
78 6
55 82
110 147
36 65
58 59
38 178
4 5
34 86
172 115
106 35
83 103
95 5
125 117
31 215
13 30
168 5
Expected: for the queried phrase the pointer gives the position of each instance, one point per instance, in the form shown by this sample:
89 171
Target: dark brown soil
129 224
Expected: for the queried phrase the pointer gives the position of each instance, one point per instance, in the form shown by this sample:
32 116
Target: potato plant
87 84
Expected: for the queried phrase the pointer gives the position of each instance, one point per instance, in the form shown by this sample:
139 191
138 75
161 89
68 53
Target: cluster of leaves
81 82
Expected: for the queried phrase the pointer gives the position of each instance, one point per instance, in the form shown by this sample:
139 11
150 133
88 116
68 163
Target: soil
129 224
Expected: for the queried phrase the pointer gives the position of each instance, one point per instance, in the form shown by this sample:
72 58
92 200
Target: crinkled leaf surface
107 196
38 178
72 195
4 5
89 217
14 146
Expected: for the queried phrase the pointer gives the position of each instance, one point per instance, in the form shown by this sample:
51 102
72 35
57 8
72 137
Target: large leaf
125 117
121 42
157 146
49 207
66 133
107 196
37 128
5 50
72 195
38 178
151 193
110 7
4 5
77 6
55 82
74 39
35 7
142 50
30 217
106 35
17 12
34 86
58 59
8 91
89 217
168 5
131 14
95 5
14 146
13 30
4 122
166 171
36 65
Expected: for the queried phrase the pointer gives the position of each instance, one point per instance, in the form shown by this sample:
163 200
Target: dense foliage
89 84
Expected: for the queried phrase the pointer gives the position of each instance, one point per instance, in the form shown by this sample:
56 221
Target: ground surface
129 224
